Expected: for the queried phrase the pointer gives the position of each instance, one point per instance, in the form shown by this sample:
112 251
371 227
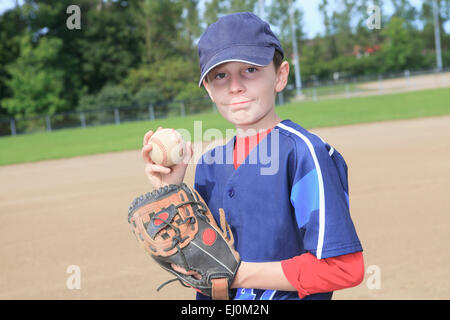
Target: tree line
140 52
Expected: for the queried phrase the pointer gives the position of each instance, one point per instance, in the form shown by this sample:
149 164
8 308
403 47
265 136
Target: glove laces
177 239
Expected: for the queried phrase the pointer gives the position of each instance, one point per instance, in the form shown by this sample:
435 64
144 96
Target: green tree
364 36
113 96
279 19
172 78
87 102
12 26
213 9
189 30
147 96
405 10
109 44
329 46
37 87
241 6
341 22
46 18
216 8
170 61
401 50
427 18
168 27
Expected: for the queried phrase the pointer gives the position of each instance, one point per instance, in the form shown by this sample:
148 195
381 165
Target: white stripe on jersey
331 148
321 188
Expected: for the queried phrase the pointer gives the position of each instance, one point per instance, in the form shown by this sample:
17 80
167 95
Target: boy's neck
268 122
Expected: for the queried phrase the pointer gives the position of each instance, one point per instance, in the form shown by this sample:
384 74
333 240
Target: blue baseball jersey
290 196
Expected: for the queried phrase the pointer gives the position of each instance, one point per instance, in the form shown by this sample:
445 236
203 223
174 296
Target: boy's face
245 93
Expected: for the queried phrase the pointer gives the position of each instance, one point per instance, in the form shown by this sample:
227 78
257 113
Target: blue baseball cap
241 37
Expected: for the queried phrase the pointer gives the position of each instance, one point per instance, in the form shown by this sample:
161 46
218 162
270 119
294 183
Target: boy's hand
179 269
161 176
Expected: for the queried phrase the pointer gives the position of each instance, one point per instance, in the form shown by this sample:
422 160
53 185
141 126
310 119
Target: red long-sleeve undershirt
306 273
310 275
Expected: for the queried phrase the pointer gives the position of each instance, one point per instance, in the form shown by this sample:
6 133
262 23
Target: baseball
168 147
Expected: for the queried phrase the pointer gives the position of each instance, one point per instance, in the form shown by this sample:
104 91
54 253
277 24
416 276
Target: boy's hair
277 61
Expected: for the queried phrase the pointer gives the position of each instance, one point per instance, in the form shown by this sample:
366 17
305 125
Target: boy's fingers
147 137
145 153
152 168
184 271
178 268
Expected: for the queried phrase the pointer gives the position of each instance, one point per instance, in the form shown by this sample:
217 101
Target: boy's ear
282 76
208 89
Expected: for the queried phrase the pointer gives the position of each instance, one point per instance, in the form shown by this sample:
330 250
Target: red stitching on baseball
163 149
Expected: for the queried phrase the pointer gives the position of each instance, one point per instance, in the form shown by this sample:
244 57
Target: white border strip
321 188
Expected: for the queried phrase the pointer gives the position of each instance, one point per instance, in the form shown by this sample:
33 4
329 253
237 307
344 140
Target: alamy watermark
73 282
373 281
374 19
74 20
266 154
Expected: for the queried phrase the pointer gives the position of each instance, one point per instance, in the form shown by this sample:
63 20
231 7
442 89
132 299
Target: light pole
298 80
437 36
261 9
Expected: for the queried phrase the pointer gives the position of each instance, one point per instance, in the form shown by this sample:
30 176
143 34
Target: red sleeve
310 275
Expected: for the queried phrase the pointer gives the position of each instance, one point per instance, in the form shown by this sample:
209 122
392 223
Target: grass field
128 136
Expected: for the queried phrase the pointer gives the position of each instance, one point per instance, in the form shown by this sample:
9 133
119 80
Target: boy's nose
236 86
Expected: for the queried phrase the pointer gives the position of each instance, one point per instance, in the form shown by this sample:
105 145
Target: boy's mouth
238 103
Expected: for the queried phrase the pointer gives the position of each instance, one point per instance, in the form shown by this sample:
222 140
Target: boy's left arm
333 258
304 273
310 275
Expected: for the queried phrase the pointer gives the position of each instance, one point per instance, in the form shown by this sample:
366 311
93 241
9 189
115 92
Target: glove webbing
177 239
219 286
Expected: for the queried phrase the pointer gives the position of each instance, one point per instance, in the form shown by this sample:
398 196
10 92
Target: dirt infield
385 86
411 83
55 214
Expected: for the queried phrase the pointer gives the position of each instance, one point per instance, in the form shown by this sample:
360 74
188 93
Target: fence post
116 116
182 109
48 123
407 79
214 107
151 112
83 120
314 94
13 127
347 90
380 84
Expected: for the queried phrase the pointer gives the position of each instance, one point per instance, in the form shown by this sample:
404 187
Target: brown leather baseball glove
174 225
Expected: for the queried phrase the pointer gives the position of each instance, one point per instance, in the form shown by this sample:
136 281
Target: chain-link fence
342 87
87 118
338 87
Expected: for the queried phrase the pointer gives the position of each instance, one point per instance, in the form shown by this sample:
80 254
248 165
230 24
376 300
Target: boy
292 227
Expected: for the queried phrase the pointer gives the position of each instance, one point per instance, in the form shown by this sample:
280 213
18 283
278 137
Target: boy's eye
220 75
251 70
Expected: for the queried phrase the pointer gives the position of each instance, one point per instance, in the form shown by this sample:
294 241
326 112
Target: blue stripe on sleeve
305 197
348 200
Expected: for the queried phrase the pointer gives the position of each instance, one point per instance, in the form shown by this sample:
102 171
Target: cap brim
259 56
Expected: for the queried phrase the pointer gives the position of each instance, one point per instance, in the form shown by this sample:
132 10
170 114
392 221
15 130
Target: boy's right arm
161 176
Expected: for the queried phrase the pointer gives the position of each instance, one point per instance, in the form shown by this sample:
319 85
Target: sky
313 21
